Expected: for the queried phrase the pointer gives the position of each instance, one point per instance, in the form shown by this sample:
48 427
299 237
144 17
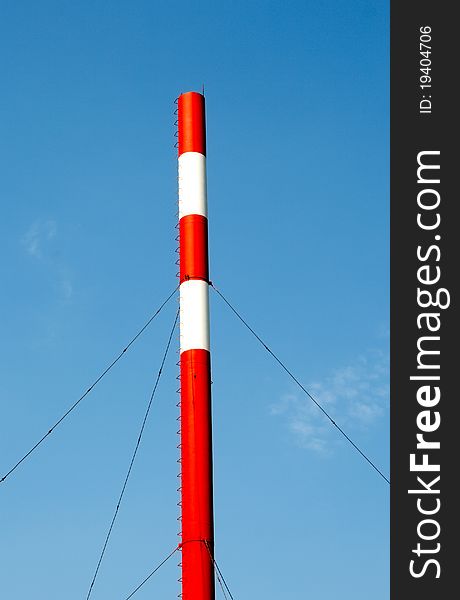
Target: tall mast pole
195 365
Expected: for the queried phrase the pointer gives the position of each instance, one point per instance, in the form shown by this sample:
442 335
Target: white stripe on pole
194 315
192 184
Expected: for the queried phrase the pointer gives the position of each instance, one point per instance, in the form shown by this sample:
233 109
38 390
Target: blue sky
297 115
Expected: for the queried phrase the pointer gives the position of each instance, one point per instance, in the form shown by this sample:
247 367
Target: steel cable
220 577
152 573
91 387
292 376
133 458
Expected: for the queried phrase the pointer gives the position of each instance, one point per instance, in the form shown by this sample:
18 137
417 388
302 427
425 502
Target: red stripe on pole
193 231
192 129
196 463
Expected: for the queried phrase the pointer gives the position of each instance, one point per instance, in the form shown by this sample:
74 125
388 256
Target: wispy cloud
356 395
37 242
38 234
66 287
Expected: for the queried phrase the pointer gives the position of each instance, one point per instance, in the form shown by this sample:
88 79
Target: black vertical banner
425 353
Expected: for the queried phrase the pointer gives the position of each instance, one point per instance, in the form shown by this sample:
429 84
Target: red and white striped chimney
195 365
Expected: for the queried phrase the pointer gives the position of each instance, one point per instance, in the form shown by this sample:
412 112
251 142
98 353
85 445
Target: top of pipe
191 123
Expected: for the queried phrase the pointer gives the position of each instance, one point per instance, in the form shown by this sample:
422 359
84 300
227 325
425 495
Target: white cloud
65 286
37 235
36 243
356 396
